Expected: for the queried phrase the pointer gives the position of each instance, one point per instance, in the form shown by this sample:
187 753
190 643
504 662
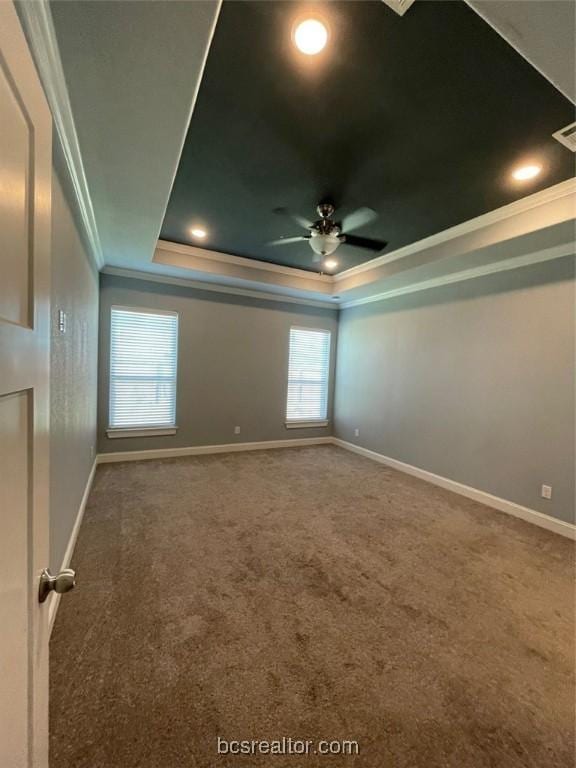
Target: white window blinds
308 370
143 363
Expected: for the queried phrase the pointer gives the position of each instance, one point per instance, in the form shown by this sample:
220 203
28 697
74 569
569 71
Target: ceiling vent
567 136
400 6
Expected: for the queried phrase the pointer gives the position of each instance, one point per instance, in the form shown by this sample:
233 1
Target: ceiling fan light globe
324 245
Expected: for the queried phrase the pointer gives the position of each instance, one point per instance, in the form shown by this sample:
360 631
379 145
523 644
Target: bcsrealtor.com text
287 746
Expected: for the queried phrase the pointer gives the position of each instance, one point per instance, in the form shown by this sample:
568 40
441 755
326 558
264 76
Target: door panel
15 195
14 577
25 206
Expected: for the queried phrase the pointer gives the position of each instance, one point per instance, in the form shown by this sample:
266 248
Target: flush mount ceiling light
198 232
526 172
310 36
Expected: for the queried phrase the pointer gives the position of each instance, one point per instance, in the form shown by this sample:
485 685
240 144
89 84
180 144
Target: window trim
323 421
115 432
142 430
308 424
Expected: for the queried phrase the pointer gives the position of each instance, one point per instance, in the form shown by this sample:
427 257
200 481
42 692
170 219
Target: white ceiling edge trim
215 288
477 9
399 6
544 196
531 203
192 107
240 261
550 194
42 38
548 254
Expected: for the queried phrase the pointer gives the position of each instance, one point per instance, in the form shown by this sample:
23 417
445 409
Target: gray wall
73 375
232 366
474 382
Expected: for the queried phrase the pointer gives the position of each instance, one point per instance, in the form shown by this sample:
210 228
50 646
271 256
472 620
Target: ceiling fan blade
358 219
288 240
300 220
365 242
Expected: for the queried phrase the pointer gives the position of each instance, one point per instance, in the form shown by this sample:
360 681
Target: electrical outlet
356 432
236 430
546 492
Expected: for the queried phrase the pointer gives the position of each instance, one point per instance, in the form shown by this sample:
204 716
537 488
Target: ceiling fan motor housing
325 209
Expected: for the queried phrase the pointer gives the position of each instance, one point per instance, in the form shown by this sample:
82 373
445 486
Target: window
308 370
143 361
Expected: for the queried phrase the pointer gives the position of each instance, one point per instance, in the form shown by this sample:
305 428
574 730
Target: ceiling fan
325 234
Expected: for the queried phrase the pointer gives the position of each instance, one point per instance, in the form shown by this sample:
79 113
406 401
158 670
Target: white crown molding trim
399 6
203 450
239 261
42 37
516 262
502 505
548 195
217 288
55 598
543 197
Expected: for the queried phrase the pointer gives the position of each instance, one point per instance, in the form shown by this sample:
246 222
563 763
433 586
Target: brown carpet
313 594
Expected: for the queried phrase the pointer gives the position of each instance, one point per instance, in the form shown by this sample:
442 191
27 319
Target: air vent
567 136
400 6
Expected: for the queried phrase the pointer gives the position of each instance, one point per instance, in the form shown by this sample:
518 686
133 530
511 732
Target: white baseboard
502 505
55 598
200 450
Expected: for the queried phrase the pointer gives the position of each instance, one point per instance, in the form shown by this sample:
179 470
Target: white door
25 200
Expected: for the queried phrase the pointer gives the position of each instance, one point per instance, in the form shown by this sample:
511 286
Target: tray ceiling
421 117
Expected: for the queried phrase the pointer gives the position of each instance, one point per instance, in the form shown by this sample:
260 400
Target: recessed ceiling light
330 263
310 36
525 172
198 232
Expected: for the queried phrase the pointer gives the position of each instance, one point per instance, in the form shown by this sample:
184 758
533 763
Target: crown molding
525 204
39 27
217 288
241 261
558 192
548 195
399 6
556 252
548 254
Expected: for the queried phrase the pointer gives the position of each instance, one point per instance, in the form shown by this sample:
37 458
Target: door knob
63 582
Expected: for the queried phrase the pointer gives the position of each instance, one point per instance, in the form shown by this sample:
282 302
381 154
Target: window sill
307 424
114 433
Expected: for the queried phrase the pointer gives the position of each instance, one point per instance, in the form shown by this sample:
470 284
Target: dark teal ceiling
420 117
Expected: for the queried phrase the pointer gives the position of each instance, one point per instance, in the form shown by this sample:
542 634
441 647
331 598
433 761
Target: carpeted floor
313 594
